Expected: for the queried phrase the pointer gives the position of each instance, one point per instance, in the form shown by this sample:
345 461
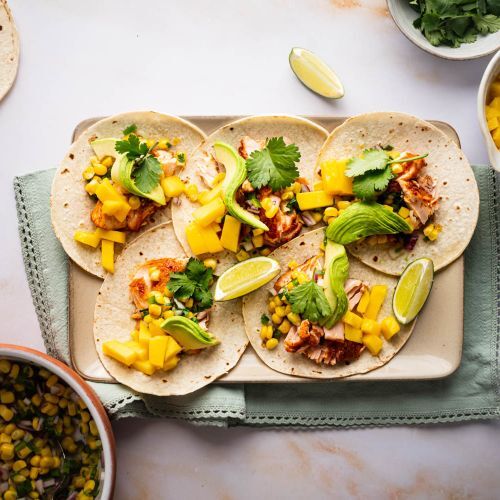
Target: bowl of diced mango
488 106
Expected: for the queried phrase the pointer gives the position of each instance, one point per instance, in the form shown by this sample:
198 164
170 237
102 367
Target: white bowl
94 405
491 71
404 16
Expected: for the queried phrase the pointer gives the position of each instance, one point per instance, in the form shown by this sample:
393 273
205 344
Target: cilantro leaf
147 174
193 282
130 129
274 165
132 147
487 24
264 319
310 302
367 186
372 159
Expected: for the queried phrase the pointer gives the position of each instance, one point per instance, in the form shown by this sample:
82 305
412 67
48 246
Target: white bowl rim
28 354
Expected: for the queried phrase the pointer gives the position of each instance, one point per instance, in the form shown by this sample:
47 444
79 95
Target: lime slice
412 290
315 74
245 277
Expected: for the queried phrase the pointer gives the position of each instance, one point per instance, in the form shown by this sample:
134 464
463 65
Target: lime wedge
412 290
315 74
245 277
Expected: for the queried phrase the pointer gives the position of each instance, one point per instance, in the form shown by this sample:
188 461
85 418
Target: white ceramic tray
433 351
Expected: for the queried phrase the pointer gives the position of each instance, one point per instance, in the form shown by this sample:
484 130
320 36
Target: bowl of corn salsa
56 440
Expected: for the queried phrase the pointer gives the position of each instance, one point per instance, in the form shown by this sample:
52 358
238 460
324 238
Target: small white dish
490 73
404 15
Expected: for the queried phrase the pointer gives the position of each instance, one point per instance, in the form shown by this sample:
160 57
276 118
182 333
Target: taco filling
129 179
323 314
172 304
250 204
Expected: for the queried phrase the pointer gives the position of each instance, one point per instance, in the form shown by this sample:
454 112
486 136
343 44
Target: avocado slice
364 219
236 173
336 274
125 168
188 334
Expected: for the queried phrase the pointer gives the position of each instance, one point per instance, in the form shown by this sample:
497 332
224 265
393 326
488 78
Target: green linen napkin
472 392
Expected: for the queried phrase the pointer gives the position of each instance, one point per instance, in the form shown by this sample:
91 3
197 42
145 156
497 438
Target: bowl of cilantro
463 29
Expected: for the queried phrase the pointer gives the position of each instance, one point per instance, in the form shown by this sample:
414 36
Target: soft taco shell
308 136
446 163
70 204
254 305
112 321
9 49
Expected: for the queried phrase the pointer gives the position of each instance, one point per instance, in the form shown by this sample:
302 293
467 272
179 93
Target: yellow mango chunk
118 209
491 112
495 103
119 351
230 236
108 255
202 239
314 199
492 123
363 302
205 197
377 297
172 349
334 179
135 335
389 327
494 90
373 343
116 236
496 137
157 348
171 363
154 328
105 191
141 350
370 327
144 334
353 319
144 366
172 186
353 334
90 239
206 214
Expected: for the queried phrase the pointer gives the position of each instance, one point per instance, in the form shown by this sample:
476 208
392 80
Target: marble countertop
82 59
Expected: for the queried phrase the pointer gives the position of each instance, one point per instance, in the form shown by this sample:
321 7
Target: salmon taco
156 326
116 181
399 188
244 184
325 316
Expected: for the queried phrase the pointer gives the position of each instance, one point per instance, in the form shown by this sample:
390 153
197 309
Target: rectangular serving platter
433 351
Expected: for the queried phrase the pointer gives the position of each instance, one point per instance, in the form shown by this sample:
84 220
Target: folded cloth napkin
472 392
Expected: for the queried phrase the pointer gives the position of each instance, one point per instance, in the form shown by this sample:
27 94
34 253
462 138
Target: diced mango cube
116 236
108 255
206 214
318 186
230 236
334 179
373 343
106 191
496 137
144 366
403 212
155 329
495 103
172 186
353 319
202 239
172 349
363 302
119 351
389 327
141 350
144 334
157 348
314 199
370 327
353 334
90 239
135 335
492 123
207 196
377 297
494 90
171 363
116 208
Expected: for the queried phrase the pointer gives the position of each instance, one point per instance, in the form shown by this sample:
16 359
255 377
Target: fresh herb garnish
366 186
181 157
147 169
274 165
130 129
310 302
264 319
292 204
253 200
372 159
193 282
446 22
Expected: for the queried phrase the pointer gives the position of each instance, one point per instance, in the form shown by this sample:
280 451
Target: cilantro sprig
147 169
372 172
310 302
132 128
193 282
273 166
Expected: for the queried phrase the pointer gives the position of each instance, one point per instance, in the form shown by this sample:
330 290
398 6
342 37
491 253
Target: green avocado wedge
362 219
236 173
188 334
336 274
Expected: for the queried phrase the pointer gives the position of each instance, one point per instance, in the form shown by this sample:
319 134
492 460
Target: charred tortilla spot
71 156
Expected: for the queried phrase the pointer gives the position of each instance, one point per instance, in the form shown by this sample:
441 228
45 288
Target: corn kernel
287 195
316 216
271 307
403 212
293 264
134 202
285 326
342 205
210 263
276 319
100 169
6 413
388 207
242 255
294 318
272 211
271 344
277 301
280 311
192 192
14 371
266 332
7 397
17 434
265 251
4 366
18 465
331 212
88 173
397 168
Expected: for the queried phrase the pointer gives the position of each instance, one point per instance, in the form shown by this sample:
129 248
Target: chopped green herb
310 302
264 319
130 129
